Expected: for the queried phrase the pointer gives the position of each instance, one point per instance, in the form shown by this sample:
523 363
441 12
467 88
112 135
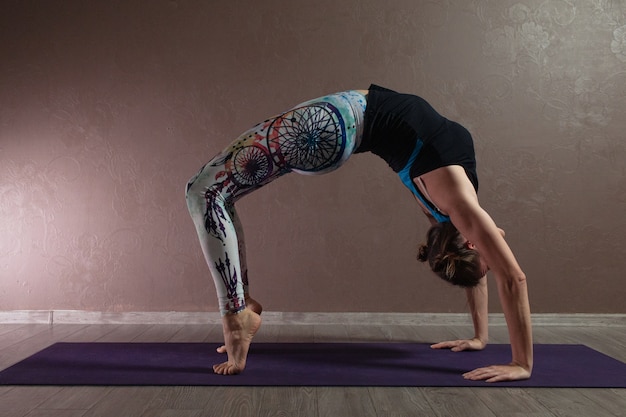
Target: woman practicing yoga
434 158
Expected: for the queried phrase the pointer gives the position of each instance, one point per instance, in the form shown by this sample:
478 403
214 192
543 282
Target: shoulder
454 194
450 188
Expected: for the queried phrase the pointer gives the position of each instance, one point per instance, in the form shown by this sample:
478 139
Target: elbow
520 278
514 283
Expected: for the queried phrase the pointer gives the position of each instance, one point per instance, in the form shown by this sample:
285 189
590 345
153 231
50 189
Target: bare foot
253 305
239 329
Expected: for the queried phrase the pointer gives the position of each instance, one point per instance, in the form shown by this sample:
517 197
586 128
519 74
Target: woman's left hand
498 373
461 345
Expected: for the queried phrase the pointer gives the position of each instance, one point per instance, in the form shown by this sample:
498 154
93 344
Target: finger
498 374
444 345
473 376
489 374
498 378
480 374
459 348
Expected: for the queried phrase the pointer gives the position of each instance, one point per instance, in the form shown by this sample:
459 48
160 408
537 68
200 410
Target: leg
315 137
250 302
242 167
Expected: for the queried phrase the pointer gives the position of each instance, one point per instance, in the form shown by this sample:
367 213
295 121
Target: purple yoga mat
305 364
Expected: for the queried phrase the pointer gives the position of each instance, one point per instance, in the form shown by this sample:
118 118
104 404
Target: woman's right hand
460 345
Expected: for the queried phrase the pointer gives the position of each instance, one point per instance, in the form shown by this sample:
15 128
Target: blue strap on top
405 176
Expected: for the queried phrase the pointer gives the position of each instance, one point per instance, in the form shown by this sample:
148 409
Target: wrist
483 339
525 366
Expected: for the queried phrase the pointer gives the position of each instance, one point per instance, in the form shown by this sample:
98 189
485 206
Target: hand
461 345
498 373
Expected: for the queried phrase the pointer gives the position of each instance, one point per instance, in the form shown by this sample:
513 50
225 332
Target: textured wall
108 107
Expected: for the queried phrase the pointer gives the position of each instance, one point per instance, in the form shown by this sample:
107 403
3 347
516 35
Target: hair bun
422 253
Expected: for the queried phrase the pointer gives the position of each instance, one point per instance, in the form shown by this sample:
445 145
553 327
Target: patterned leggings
313 138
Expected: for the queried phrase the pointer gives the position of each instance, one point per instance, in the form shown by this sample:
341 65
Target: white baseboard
419 319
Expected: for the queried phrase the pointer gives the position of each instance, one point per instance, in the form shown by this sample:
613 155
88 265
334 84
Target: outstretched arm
477 298
475 224
454 194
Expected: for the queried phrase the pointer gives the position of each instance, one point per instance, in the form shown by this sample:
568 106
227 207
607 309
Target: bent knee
196 193
198 185
189 186
201 192
191 189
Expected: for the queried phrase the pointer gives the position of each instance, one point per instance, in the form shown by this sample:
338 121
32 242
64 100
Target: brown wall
108 107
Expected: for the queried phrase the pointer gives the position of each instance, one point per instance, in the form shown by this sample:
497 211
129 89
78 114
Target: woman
434 158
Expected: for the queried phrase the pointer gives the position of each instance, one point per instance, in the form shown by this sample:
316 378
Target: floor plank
395 402
183 398
124 401
287 401
345 401
172 413
510 402
569 402
75 398
125 333
613 400
295 333
194 333
157 333
38 340
20 401
456 402
90 333
330 333
7 328
55 413
21 333
233 402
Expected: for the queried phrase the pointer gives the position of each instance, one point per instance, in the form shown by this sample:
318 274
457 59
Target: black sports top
395 123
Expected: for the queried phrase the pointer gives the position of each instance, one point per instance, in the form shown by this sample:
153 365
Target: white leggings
315 137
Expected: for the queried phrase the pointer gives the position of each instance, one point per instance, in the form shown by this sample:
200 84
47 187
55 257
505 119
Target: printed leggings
315 137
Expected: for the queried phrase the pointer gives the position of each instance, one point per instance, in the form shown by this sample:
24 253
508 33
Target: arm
475 224
454 194
477 300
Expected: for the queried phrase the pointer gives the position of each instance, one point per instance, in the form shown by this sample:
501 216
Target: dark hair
449 257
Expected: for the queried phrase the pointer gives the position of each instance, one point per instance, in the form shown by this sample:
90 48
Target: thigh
310 138
314 137
319 135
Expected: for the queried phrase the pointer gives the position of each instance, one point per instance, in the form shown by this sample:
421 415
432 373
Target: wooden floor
17 341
